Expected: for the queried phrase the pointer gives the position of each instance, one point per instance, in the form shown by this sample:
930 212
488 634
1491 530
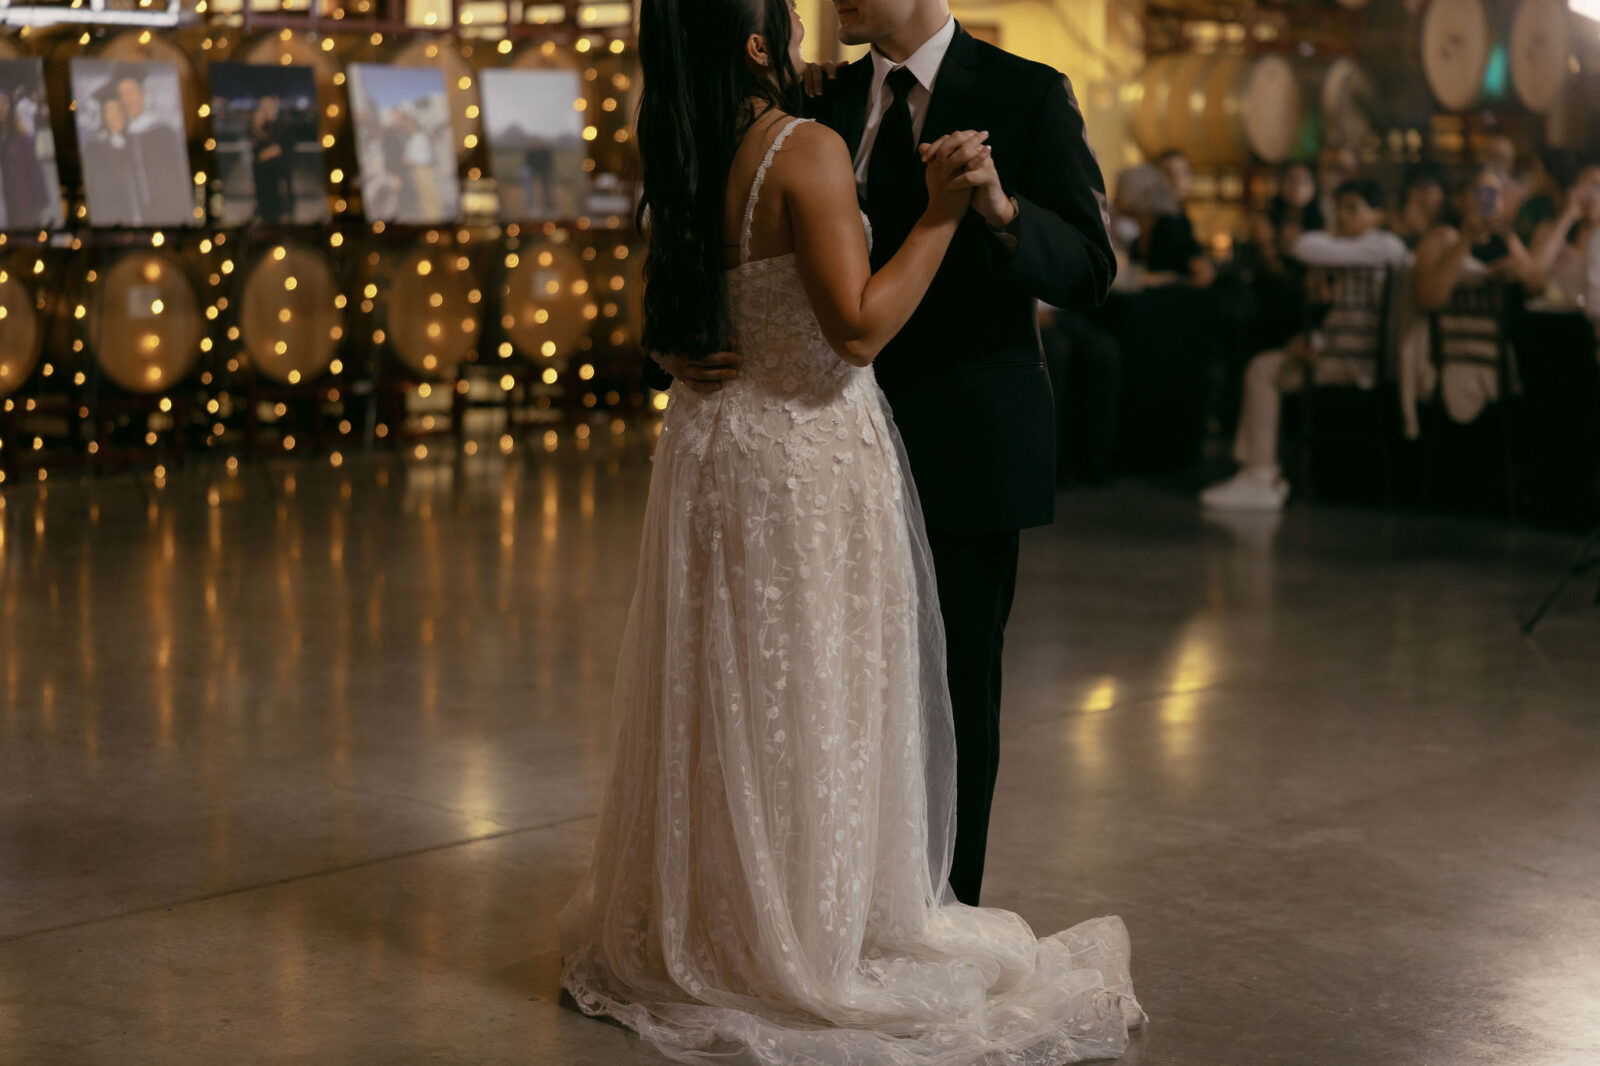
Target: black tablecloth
1559 423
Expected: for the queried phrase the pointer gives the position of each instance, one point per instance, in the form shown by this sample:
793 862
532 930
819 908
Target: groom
965 377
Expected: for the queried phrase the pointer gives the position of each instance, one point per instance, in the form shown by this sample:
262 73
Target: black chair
1472 330
1350 307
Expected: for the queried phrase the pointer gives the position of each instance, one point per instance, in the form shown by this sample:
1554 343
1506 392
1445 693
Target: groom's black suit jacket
966 376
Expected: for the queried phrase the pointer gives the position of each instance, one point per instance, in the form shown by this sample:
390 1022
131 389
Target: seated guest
1296 208
1175 165
1335 166
1269 306
1474 240
1344 351
1554 171
1561 244
1165 242
1500 151
1422 196
1474 237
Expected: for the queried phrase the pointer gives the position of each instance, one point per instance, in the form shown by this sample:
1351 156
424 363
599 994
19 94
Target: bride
768 882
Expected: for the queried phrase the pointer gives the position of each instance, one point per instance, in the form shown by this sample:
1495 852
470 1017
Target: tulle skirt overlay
767 883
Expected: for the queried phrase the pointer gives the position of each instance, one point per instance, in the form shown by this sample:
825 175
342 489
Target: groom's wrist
1004 216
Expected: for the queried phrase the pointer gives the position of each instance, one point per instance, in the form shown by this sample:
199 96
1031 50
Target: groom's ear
755 50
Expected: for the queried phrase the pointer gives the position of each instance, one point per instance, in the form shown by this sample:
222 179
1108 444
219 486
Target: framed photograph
404 144
30 190
129 118
536 149
268 155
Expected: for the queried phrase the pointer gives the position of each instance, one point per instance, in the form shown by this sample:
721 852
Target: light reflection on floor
299 762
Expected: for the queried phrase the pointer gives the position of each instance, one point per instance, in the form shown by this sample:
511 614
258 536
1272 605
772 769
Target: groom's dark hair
693 114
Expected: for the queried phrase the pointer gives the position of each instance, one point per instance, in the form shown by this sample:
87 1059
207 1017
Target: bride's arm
859 311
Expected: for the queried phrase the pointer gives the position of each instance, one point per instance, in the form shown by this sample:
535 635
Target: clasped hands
977 173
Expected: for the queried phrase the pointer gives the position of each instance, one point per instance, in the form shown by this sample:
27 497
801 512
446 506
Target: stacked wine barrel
432 305
21 326
144 321
1459 37
546 299
291 316
1222 109
145 324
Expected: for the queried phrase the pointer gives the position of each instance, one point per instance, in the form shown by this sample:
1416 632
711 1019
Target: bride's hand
946 160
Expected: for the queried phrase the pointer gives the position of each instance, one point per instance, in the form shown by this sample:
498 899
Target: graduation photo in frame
129 119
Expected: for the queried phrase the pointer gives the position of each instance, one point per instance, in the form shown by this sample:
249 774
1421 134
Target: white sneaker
1248 490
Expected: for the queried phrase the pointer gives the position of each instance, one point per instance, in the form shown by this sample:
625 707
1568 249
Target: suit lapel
850 90
949 107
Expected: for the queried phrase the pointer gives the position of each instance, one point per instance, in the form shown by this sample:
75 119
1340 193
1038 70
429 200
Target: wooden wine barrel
1149 120
460 82
1540 45
433 323
1352 112
144 322
1253 107
1455 51
1220 110
289 317
546 55
1182 121
547 301
287 48
22 327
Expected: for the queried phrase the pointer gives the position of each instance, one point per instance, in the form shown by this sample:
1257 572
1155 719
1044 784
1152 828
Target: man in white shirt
1346 350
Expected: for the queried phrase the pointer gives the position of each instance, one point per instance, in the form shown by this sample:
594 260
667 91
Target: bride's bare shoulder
816 154
812 138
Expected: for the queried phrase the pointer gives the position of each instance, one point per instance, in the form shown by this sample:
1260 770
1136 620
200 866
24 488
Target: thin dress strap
755 187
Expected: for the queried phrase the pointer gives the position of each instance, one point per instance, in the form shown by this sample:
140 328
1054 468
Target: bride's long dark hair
693 113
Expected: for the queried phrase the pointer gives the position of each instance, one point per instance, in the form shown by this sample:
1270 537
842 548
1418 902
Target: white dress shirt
1374 248
924 64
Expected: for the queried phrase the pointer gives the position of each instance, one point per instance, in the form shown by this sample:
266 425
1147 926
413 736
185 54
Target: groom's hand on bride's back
706 374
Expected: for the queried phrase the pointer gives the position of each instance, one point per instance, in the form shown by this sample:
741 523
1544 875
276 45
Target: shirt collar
924 63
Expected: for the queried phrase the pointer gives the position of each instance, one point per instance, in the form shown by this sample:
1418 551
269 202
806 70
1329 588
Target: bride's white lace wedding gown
767 884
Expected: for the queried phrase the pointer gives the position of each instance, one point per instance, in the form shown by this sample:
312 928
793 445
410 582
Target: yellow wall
1095 42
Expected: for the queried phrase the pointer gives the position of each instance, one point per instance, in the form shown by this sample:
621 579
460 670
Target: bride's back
784 350
770 235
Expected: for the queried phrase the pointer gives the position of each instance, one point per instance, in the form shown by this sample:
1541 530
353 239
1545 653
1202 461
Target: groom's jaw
849 22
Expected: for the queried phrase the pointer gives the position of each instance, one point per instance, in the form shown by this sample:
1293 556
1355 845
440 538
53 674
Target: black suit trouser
977 579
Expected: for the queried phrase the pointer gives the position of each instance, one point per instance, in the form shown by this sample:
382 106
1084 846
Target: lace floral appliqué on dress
768 879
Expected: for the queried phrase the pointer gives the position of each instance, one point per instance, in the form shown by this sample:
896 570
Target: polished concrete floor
298 763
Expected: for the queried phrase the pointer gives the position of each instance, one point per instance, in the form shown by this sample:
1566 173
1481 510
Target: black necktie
895 191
